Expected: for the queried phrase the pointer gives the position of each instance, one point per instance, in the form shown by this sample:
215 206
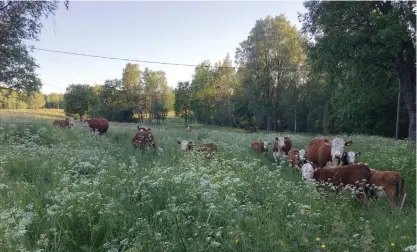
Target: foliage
78 99
21 22
97 194
365 42
182 106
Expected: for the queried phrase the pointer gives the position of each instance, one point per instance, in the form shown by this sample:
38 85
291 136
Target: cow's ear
149 129
138 127
357 154
285 138
276 138
348 143
327 142
178 142
190 143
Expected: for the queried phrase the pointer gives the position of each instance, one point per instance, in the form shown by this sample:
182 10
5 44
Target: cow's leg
274 154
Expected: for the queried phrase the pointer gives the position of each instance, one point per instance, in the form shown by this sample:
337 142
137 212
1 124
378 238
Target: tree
269 61
358 41
79 99
182 100
21 21
36 100
131 83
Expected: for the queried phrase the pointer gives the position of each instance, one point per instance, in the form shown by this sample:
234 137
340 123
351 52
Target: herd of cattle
324 160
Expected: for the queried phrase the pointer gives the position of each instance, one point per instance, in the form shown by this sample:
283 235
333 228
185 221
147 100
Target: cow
287 145
356 175
320 150
348 158
393 186
296 157
188 128
99 124
278 148
144 139
67 122
260 147
189 146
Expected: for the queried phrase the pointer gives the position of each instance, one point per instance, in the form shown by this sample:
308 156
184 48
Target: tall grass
68 190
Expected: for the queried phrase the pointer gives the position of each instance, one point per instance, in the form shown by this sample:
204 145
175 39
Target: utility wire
144 61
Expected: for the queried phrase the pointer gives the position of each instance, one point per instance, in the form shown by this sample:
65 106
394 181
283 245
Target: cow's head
302 155
70 120
349 157
280 141
307 171
185 145
86 124
338 145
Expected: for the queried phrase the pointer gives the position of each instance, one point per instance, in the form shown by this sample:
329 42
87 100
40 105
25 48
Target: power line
114 58
148 61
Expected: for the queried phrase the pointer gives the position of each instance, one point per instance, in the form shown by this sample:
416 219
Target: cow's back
104 125
382 178
345 175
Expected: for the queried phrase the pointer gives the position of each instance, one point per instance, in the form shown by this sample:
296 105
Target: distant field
68 190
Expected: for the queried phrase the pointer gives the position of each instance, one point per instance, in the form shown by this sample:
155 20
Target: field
68 190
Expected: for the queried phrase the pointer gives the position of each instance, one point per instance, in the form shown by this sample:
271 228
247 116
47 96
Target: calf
348 157
357 175
393 186
287 145
296 157
260 147
144 138
67 122
277 149
99 124
189 146
320 150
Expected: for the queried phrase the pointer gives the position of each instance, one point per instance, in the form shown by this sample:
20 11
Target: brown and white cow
356 175
277 149
99 124
281 147
296 157
260 147
189 146
67 122
348 157
393 186
321 150
144 139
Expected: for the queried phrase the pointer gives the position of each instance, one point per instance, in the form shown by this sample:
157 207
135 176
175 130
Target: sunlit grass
68 190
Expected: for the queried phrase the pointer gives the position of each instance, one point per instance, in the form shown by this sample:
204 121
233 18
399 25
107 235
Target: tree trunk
295 119
397 123
408 83
326 119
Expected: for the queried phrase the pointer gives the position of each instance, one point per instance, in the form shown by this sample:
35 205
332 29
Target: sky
178 32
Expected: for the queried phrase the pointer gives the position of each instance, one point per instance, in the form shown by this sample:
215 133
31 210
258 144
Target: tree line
351 68
343 72
137 96
33 100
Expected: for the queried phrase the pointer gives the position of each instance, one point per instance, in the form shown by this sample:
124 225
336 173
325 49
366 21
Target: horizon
179 32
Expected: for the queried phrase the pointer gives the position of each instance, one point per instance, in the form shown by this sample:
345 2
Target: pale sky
179 32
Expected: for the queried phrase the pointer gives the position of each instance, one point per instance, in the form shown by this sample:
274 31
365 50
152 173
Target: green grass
68 190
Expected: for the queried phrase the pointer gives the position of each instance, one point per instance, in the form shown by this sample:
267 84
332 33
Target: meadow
69 190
